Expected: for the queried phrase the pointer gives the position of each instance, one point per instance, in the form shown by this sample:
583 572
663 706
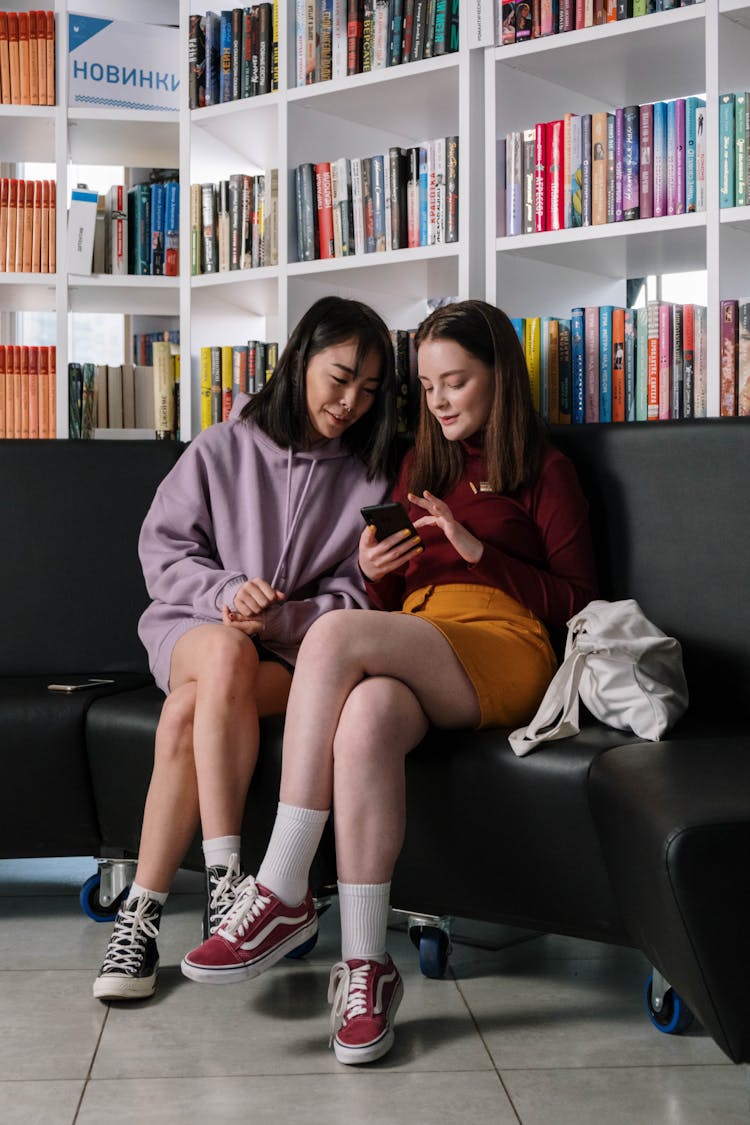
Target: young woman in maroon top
504 551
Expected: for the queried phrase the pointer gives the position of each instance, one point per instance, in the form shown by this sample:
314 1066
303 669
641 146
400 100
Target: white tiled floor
548 1031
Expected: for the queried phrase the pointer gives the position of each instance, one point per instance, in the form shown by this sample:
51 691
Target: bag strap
557 714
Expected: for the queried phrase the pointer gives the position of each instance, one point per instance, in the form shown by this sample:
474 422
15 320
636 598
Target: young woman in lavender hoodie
250 538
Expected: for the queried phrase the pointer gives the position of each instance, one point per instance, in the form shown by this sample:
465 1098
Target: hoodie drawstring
290 522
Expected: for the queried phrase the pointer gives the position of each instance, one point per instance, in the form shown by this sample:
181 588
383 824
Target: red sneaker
365 997
258 931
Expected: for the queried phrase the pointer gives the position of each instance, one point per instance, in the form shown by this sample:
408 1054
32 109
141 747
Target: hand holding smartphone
387 519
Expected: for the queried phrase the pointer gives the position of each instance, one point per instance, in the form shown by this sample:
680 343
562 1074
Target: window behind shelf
90 334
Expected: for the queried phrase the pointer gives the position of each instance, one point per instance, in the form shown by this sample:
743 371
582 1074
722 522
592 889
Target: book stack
234 223
639 162
517 21
151 222
27 226
734 159
335 38
232 55
609 364
28 391
143 344
27 58
402 198
229 370
734 363
126 399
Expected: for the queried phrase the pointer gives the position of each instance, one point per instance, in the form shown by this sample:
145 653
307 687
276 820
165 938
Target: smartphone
78 685
387 519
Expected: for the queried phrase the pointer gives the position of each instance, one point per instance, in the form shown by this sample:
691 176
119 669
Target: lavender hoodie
237 506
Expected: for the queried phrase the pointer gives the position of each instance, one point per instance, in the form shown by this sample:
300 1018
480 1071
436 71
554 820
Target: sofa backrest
670 508
71 582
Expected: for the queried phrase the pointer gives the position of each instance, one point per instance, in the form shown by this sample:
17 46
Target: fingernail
405 533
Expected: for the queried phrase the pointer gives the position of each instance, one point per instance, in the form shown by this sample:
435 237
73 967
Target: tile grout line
473 1019
87 1079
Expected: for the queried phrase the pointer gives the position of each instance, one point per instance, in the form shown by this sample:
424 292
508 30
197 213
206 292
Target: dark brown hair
514 437
280 407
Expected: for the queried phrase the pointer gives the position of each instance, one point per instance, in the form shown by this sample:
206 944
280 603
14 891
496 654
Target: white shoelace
347 991
224 894
248 906
128 941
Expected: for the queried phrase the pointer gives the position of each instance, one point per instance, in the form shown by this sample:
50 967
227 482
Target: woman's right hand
251 601
376 559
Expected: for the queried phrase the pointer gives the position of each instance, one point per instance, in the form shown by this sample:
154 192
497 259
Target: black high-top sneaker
131 964
221 891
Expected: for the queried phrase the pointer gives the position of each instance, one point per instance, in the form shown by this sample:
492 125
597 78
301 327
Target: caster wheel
303 950
90 904
434 947
674 1017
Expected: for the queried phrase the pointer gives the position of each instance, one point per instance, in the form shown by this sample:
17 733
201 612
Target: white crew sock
285 869
136 890
364 920
219 850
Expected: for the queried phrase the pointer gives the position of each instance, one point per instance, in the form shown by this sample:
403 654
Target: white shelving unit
478 94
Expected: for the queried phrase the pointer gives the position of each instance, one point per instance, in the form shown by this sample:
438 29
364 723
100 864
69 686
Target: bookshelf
478 93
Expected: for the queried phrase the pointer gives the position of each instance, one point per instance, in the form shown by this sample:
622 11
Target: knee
378 718
332 633
230 658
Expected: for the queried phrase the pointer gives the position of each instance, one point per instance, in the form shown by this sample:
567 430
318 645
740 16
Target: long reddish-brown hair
514 436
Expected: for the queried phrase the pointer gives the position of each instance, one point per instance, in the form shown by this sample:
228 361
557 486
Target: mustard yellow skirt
504 649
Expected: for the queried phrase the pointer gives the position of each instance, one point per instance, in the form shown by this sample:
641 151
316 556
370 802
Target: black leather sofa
603 837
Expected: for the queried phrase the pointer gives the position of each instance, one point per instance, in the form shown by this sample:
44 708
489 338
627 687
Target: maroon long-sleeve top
537 544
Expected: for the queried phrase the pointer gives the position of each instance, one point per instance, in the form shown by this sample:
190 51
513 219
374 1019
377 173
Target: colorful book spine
605 363
513 182
726 150
540 178
688 360
652 362
555 212
585 170
631 163
573 211
665 360
618 365
740 150
700 158
729 341
691 166
577 367
591 363
645 161
679 146
619 145
533 349
564 363
659 150
599 168
701 356
677 408
630 363
743 360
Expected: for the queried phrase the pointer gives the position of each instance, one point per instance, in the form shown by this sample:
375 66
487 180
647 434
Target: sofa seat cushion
120 738
46 800
674 821
499 838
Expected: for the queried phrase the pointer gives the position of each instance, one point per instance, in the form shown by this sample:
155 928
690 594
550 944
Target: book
659 159
726 150
677 406
451 189
116 231
665 315
618 364
599 168
358 214
585 169
591 363
307 211
532 350
528 180
164 413
629 328
740 149
700 158
729 342
378 202
688 360
652 360
743 358
564 363
606 353
578 366
699 390
631 162
81 225
692 105
115 413
555 211
139 229
540 177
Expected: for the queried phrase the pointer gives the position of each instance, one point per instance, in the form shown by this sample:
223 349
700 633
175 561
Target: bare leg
381 721
342 649
206 745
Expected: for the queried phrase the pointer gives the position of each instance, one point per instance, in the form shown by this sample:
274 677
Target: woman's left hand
439 515
252 626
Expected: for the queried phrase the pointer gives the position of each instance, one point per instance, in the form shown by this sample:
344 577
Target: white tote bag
626 671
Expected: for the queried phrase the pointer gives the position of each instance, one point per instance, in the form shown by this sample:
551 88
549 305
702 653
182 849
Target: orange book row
27 226
28 391
27 58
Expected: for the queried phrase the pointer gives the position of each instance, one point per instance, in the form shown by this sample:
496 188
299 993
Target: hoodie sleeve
288 621
177 548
